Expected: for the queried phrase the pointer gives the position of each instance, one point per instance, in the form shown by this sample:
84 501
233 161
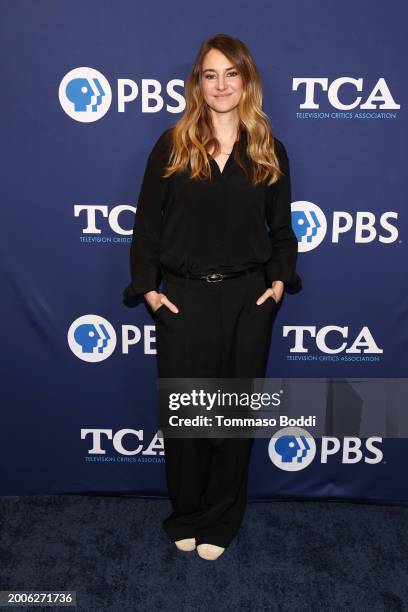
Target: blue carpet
287 555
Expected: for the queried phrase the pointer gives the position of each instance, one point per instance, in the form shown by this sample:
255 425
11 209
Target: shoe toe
186 545
210 552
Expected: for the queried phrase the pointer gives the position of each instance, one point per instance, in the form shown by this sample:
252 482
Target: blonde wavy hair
193 135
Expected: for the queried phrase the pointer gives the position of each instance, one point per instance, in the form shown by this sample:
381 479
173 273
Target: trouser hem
200 537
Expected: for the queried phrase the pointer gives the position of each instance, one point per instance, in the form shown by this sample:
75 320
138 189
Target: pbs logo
292 449
85 94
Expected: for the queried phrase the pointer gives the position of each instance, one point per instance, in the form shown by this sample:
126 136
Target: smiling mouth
223 96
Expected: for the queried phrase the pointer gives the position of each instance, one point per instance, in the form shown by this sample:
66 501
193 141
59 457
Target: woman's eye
230 74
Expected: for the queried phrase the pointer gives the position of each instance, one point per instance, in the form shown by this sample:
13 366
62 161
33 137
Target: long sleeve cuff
144 281
285 272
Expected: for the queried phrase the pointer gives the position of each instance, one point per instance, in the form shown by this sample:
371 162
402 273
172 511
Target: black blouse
215 224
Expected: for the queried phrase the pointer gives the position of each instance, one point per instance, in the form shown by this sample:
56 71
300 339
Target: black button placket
221 220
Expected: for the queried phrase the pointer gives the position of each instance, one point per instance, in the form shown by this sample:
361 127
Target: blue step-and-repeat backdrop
87 89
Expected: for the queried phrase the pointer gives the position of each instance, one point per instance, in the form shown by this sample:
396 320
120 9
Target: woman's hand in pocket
275 293
157 300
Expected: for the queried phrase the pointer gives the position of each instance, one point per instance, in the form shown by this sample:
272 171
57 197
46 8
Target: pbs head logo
309 224
85 94
92 338
292 449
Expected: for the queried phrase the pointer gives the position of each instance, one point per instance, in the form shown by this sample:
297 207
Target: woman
211 182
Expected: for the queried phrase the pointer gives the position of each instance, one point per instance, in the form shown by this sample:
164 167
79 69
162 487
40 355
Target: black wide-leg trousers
219 332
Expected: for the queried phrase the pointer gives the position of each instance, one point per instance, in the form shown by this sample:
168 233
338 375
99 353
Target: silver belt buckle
215 277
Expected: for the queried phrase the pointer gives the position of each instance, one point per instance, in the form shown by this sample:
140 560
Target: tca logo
378 97
124 441
364 343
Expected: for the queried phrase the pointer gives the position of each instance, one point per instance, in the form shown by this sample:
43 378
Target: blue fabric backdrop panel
87 89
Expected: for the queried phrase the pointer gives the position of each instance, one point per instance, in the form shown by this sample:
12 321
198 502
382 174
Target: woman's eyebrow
213 69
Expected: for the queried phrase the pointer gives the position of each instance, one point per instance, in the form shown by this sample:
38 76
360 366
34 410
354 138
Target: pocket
263 287
267 303
269 306
163 310
171 292
267 286
156 312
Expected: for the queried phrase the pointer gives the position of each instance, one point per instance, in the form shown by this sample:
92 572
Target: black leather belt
215 277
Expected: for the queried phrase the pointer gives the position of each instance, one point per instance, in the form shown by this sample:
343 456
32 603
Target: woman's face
222 84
